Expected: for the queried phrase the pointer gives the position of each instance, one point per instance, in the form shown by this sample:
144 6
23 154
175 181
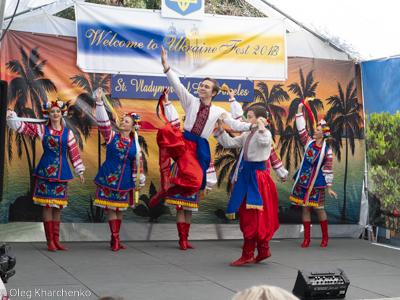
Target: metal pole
3 109
2 9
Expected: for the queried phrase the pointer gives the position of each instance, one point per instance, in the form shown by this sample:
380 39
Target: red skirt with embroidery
183 152
110 199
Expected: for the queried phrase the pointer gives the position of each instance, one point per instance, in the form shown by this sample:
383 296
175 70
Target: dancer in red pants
254 194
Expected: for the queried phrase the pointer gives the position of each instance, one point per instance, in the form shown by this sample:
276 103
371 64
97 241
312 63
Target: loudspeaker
312 285
3 127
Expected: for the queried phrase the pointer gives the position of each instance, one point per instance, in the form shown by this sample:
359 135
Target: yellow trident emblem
184 4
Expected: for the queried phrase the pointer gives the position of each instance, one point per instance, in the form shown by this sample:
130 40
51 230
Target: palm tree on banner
290 137
344 118
85 105
305 89
75 124
225 163
29 87
269 99
291 145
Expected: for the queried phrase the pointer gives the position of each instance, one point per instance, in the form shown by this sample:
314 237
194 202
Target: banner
120 40
321 78
381 85
150 87
183 9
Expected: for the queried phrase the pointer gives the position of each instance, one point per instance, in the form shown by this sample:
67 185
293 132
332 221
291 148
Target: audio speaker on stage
331 284
3 111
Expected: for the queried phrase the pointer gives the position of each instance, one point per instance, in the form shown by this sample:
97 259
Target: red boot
165 164
187 236
307 229
324 229
157 198
172 190
247 254
48 230
181 231
119 228
56 236
115 234
263 251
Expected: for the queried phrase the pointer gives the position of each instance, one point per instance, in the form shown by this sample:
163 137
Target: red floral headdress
137 122
57 103
325 129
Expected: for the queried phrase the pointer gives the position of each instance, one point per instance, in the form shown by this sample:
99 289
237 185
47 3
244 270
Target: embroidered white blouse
191 105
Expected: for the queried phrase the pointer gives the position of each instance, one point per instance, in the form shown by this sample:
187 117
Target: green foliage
382 143
144 4
217 7
232 8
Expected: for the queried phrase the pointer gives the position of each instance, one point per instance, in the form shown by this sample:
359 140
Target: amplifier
330 284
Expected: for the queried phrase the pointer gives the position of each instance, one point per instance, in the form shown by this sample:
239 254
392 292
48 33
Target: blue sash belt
246 183
203 153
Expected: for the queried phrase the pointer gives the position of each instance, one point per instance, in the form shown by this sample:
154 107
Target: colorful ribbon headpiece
49 105
306 103
160 106
325 129
137 122
268 126
224 89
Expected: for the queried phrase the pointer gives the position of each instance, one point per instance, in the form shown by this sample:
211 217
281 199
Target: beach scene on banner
333 84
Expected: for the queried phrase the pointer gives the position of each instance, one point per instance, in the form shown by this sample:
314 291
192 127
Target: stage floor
159 270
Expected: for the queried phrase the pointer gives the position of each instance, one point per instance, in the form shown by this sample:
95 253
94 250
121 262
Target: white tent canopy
45 23
303 44
29 8
366 29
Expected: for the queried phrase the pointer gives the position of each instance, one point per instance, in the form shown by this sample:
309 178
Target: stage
159 270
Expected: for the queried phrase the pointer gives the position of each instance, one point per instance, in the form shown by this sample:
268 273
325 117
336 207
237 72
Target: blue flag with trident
184 7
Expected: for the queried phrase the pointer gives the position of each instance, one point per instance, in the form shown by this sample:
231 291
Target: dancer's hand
332 193
139 188
164 58
9 114
300 108
98 95
82 178
261 122
284 179
166 98
223 116
220 119
208 191
231 94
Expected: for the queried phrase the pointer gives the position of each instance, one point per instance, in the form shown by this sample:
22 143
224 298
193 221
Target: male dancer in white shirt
190 150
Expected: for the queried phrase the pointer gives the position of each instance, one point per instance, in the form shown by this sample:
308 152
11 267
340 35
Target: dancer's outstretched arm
301 125
184 96
102 118
30 129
